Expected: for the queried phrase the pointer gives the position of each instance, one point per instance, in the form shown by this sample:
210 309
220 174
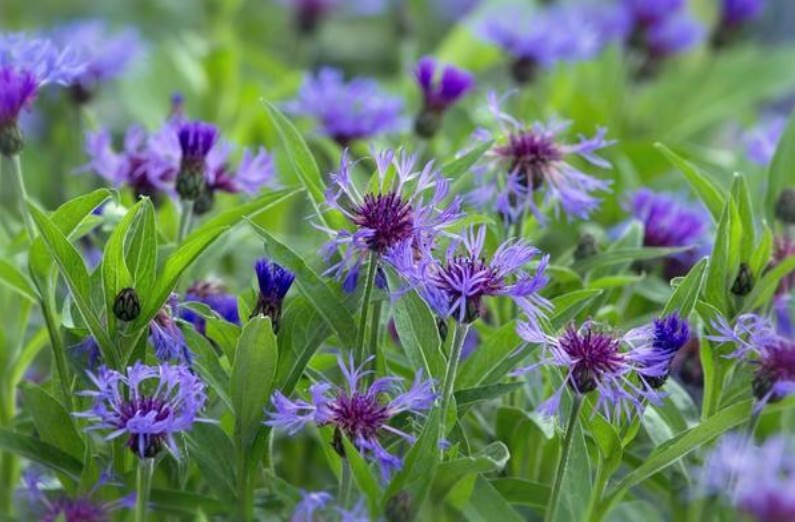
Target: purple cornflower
757 341
27 64
762 139
438 93
660 28
398 213
593 359
274 282
650 12
654 346
673 35
456 287
530 158
82 508
196 139
670 221
347 111
213 295
105 53
148 404
541 38
360 412
311 502
758 480
166 337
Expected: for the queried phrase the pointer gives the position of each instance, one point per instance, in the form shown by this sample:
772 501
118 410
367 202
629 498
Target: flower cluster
595 359
759 480
757 341
397 214
347 111
526 159
151 164
147 404
361 412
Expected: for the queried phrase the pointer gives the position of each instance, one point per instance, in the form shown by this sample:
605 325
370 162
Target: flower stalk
143 485
461 331
372 266
565 451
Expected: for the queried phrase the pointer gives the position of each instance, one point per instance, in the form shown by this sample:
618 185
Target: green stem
143 485
345 484
368 290
16 167
565 450
58 349
596 494
184 220
375 329
461 330
245 500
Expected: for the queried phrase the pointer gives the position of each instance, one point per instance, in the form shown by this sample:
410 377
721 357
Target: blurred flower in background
761 139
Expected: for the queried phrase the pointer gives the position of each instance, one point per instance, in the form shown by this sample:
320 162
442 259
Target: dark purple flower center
359 415
388 216
777 364
469 279
145 445
594 354
77 510
529 154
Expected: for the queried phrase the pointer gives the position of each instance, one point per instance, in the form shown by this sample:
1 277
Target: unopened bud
524 70
427 123
127 305
744 281
399 507
11 139
785 206
586 247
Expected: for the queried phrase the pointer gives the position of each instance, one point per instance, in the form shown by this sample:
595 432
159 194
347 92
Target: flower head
166 337
311 502
438 93
360 412
530 158
347 111
673 35
274 281
593 360
456 286
758 342
406 210
762 139
148 404
669 221
105 53
213 295
759 480
655 345
738 12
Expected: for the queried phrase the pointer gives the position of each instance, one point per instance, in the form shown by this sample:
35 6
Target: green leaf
214 453
762 293
301 331
184 502
684 298
300 157
206 361
252 377
717 284
142 251
567 306
16 281
679 446
53 423
419 334
456 168
760 256
363 476
490 459
706 189
620 256
741 195
524 492
781 174
41 452
313 288
495 348
486 505
484 393
115 274
74 272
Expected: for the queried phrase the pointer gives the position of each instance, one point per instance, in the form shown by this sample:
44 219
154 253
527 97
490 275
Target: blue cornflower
347 111
670 221
758 342
438 93
362 412
456 286
398 213
673 35
311 502
148 404
593 359
660 28
737 12
758 480
654 346
27 64
762 139
539 38
213 295
105 53
274 282
166 337
529 158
